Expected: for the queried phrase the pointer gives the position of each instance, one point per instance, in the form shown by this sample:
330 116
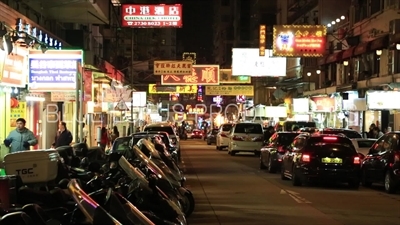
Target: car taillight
237 138
224 135
357 160
305 158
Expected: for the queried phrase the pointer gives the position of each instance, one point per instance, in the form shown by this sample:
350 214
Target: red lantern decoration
14 103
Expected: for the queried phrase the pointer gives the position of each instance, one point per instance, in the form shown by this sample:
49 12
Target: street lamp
378 52
318 72
309 83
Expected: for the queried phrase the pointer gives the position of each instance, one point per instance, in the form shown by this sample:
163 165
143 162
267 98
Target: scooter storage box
35 166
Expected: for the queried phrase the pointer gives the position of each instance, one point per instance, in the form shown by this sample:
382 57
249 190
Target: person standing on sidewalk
20 139
64 136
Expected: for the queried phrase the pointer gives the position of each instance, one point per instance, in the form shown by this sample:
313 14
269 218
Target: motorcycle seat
16 218
56 197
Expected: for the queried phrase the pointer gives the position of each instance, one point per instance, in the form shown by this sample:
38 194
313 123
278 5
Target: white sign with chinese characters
301 105
248 62
63 96
173 67
383 100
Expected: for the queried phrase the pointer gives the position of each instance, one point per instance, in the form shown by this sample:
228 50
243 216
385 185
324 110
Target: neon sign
299 40
24 29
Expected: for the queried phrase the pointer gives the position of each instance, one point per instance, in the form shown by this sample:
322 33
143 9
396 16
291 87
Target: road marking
295 196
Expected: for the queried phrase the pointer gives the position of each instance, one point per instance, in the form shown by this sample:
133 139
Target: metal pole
82 98
132 80
77 99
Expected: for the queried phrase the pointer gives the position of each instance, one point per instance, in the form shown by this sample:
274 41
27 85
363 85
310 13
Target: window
378 147
287 139
248 128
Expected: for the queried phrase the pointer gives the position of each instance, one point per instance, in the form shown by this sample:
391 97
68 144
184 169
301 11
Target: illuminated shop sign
383 100
299 40
262 40
23 28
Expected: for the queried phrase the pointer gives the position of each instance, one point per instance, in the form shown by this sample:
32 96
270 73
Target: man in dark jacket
64 136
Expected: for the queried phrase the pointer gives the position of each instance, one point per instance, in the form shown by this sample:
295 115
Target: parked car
222 137
382 163
274 150
363 145
246 137
212 136
321 157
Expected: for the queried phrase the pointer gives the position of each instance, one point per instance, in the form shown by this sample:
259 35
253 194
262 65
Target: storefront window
372 117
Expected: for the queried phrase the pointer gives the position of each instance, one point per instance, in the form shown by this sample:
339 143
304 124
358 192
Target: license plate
332 160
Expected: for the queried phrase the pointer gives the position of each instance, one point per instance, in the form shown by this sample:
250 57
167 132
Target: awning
112 72
335 57
380 43
348 53
322 61
361 49
100 77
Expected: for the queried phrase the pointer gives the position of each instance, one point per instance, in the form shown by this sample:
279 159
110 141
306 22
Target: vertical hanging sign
262 40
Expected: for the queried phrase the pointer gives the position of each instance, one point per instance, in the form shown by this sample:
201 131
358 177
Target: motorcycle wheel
187 203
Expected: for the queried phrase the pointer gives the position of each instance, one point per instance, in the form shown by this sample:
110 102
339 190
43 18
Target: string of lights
334 22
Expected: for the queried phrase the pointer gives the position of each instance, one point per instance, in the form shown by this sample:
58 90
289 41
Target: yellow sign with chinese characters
179 89
262 40
230 90
225 77
17 112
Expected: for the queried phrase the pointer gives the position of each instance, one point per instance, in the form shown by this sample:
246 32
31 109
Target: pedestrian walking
63 137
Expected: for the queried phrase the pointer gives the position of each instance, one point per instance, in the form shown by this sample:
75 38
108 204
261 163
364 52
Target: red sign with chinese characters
13 71
299 40
201 75
145 16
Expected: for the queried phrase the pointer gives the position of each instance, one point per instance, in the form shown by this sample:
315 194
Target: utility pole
131 125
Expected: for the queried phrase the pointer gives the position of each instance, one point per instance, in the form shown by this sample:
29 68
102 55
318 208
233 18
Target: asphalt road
232 190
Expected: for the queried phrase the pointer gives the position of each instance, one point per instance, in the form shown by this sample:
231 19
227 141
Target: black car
274 150
347 132
382 163
321 157
212 136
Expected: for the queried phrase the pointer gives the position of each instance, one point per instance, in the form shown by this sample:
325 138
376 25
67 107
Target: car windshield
289 125
365 143
121 144
226 127
286 139
349 134
167 129
248 128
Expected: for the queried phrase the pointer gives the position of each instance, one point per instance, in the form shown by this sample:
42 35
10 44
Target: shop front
300 109
324 111
12 83
380 105
353 108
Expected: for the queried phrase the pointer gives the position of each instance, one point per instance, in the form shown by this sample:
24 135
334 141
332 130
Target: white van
246 137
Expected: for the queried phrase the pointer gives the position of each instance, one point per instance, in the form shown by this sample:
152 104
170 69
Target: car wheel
283 177
271 168
354 184
390 183
295 179
364 179
233 153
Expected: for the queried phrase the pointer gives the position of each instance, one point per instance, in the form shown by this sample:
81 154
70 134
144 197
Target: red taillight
224 135
305 158
237 138
357 160
330 138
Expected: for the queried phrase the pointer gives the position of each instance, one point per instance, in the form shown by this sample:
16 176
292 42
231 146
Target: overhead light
345 63
342 17
337 20
309 74
378 52
318 71
329 25
333 22
398 46
15 90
